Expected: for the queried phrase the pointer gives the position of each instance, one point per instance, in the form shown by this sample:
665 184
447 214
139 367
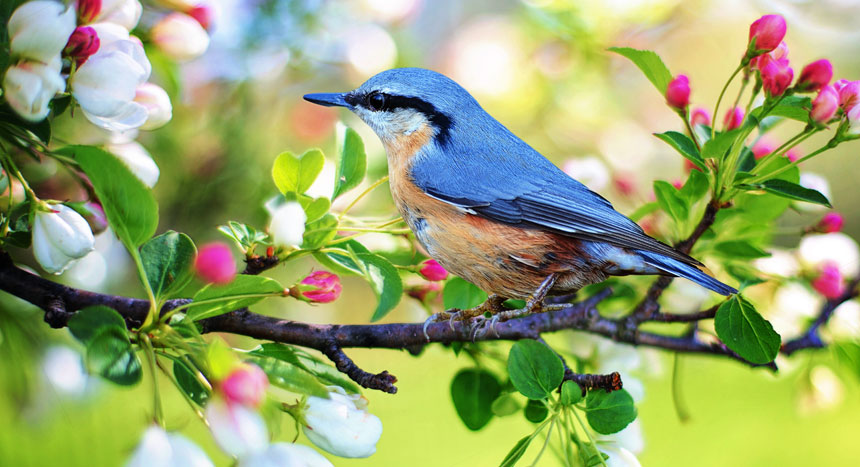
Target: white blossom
137 159
288 224
30 86
180 37
285 455
60 237
39 30
159 448
238 430
125 13
837 248
341 425
157 103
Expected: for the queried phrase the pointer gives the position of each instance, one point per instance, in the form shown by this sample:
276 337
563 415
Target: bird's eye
376 101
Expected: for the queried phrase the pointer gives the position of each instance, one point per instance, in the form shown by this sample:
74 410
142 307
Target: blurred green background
540 67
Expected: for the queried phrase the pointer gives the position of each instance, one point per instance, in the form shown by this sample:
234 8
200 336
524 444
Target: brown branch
382 381
609 383
811 338
648 306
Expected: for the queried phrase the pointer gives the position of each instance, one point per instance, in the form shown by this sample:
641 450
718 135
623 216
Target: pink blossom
245 385
849 94
215 263
733 118
203 14
763 147
321 287
815 76
88 10
433 271
82 43
825 104
831 222
766 33
678 92
779 53
700 116
792 154
776 75
830 283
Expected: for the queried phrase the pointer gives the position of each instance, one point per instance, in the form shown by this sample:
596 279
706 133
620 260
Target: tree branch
811 339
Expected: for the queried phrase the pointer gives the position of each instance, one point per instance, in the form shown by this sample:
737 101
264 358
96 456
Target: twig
811 339
382 381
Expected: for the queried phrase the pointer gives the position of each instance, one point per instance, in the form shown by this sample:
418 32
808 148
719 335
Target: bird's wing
532 192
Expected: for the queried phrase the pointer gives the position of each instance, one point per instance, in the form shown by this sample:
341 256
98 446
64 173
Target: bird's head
403 102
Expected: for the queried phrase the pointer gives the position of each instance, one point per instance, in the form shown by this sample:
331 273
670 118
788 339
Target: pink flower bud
839 84
420 292
678 184
433 271
678 92
792 154
815 76
831 222
825 104
830 283
96 217
849 94
82 43
688 166
203 14
700 116
180 37
733 118
215 263
763 147
625 183
323 287
88 10
245 385
765 34
776 75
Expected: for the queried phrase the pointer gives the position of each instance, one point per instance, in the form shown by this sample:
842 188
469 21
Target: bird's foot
534 304
492 306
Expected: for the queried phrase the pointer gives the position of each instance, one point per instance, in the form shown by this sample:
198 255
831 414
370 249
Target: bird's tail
687 271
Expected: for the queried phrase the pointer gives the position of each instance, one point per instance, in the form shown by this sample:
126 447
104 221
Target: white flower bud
39 30
341 425
105 86
60 237
125 13
285 455
180 37
157 102
30 86
238 430
288 224
137 159
160 448
817 250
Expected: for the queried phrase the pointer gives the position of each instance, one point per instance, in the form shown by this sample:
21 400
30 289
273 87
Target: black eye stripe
439 119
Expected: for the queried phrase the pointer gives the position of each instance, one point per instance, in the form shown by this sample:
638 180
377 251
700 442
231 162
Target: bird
489 207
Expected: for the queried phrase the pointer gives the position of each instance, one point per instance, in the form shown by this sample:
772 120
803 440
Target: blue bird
490 208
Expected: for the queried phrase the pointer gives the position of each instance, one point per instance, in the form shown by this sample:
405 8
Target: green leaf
745 331
516 452
130 208
571 393
535 411
848 355
643 211
695 187
242 234
671 201
290 377
719 146
684 145
340 261
763 206
609 412
384 280
739 249
244 291
460 294
189 384
792 107
650 64
319 232
296 174
321 370
473 391
790 190
314 208
535 370
504 405
109 353
86 323
167 260
352 164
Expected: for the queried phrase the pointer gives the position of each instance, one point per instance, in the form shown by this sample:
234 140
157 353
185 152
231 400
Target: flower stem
362 195
150 357
590 438
720 99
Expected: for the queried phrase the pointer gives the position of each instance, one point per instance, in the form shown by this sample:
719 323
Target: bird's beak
327 99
